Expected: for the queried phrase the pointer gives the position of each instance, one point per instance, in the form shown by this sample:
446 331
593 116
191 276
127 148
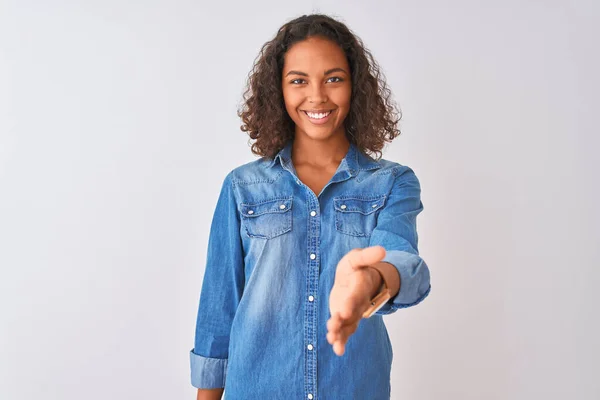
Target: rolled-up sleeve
222 289
396 231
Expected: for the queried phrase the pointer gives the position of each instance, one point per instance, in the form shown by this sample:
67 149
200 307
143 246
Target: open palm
349 298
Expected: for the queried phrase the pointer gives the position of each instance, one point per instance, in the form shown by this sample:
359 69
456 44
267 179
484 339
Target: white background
118 124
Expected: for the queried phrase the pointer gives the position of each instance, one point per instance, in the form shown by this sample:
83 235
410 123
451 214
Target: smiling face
317 88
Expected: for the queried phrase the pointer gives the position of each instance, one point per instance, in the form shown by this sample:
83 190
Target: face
317 88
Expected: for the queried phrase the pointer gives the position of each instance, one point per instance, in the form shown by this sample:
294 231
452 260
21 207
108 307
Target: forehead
314 54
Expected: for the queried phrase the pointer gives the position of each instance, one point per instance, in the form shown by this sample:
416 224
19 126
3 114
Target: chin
317 134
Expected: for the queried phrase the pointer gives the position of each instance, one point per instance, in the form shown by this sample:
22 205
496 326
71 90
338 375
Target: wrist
376 279
381 293
390 275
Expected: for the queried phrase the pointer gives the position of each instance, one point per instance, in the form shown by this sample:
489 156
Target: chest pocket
267 219
357 216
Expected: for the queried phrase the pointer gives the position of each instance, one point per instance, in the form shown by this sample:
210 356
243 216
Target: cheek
291 100
348 96
342 97
343 101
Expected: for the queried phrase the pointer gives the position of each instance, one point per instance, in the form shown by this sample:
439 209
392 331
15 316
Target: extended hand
353 287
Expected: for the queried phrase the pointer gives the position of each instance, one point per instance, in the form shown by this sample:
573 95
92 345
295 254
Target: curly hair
373 116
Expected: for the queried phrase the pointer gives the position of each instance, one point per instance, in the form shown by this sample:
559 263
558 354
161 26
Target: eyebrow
329 71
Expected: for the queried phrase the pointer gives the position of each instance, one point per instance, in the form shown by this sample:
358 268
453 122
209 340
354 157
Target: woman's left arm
392 255
396 232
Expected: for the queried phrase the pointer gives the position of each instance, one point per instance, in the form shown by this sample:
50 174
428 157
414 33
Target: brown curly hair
373 116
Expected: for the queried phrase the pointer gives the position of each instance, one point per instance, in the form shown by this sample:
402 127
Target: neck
320 153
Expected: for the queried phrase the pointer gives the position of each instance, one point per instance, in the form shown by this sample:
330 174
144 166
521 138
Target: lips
318 118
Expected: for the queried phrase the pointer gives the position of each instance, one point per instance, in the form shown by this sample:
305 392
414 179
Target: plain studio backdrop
118 125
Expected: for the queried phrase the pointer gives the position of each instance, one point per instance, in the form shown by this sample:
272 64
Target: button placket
311 311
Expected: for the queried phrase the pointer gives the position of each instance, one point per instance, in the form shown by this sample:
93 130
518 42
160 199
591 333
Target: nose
317 94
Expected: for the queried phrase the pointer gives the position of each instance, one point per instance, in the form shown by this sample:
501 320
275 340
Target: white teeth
318 115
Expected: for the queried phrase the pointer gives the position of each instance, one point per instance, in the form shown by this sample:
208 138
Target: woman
313 238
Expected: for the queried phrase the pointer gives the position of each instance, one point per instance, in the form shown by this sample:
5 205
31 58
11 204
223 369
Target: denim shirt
273 249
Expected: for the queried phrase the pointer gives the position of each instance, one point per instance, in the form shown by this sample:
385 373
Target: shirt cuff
207 373
414 280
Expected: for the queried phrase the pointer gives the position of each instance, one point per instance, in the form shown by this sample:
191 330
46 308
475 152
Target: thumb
360 258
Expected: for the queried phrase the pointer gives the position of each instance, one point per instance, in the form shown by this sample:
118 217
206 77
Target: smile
318 118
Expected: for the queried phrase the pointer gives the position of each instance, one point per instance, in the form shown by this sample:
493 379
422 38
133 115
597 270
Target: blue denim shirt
273 249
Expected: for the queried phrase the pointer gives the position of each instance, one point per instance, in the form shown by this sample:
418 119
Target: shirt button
250 212
310 396
310 298
313 213
310 347
343 206
282 206
313 256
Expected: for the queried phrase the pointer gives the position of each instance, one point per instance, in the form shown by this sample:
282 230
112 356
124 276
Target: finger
332 337
339 348
339 343
358 258
342 332
333 329
346 332
334 324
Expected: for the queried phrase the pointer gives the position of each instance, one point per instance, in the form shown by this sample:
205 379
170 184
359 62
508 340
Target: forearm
210 394
391 275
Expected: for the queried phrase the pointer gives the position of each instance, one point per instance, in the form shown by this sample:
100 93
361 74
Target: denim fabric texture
273 249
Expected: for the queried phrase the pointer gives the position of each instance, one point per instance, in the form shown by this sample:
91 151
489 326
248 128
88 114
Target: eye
297 81
335 77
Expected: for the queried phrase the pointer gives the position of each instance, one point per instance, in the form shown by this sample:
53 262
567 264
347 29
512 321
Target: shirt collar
354 161
283 156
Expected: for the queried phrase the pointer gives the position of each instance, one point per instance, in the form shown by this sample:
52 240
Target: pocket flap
266 207
360 205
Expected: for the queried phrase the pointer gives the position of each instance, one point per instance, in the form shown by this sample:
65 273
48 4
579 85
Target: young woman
314 242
